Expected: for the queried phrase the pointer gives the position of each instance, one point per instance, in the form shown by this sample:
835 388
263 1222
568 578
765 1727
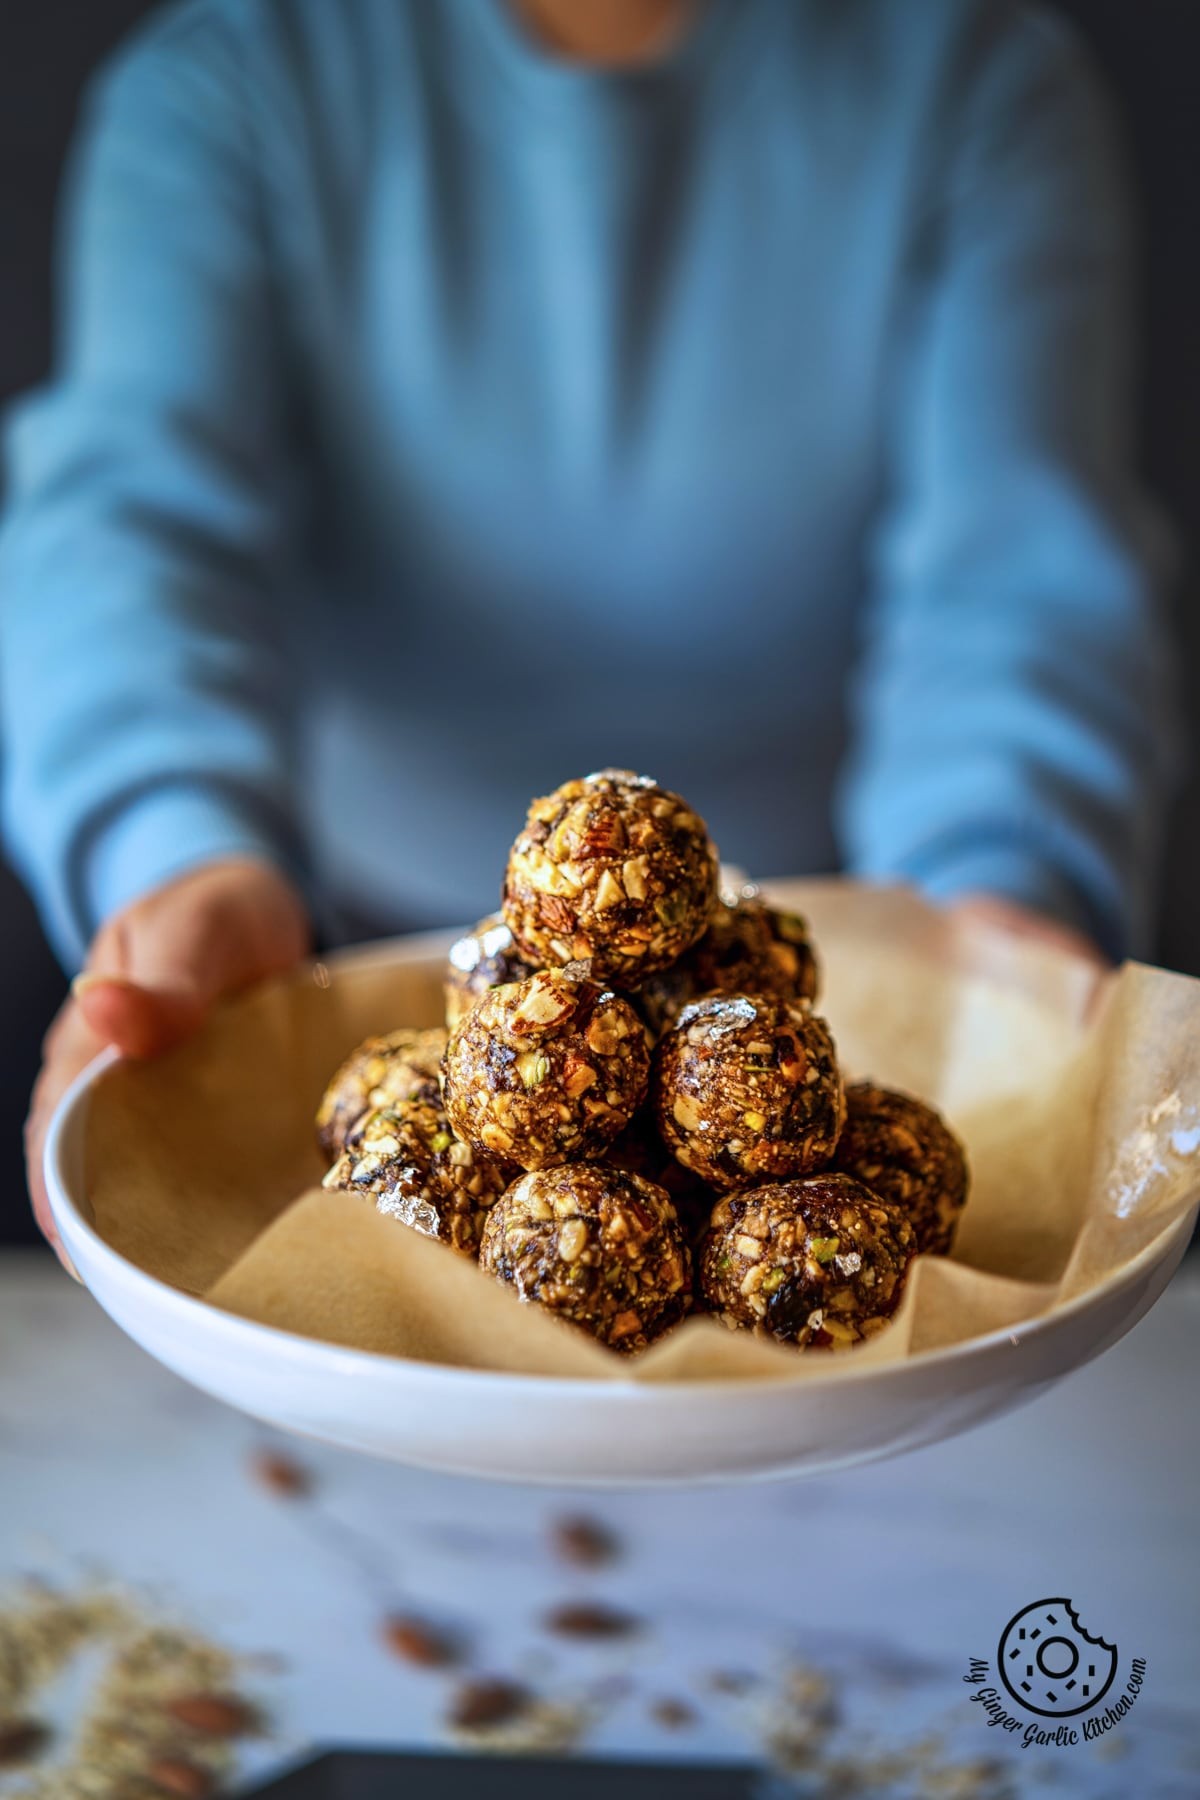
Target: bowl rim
251 1333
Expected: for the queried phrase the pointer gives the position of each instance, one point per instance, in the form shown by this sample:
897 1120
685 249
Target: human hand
153 974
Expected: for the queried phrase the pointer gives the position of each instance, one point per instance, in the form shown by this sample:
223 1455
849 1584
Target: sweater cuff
1011 874
166 831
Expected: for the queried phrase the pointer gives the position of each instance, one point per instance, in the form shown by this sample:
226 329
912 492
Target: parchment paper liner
1080 1107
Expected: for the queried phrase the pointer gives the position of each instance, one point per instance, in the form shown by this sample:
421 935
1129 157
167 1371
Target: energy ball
746 1089
409 1161
598 1246
485 958
401 1066
639 1150
749 948
819 1262
904 1152
612 868
546 1070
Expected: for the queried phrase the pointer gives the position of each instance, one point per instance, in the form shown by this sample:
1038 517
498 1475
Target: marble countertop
883 1580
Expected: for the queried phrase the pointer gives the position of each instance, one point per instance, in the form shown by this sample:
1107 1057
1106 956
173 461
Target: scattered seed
418 1642
585 1542
481 1704
591 1619
162 1692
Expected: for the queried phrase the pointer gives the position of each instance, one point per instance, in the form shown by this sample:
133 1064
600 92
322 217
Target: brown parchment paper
1079 1102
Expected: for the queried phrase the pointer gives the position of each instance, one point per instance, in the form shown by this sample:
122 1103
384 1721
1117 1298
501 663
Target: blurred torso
592 376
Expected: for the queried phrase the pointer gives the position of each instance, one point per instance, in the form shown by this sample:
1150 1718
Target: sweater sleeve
1012 709
142 674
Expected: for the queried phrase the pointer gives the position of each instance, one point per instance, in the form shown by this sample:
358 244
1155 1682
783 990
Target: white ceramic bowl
531 1428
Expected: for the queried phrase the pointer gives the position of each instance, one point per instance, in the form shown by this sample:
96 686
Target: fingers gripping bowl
188 1194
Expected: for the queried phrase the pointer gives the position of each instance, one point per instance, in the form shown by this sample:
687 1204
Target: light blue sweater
434 420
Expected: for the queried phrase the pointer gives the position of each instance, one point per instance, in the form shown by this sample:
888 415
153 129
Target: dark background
1149 51
375 1775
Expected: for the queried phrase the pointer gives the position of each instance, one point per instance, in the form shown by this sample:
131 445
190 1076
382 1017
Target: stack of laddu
636 1111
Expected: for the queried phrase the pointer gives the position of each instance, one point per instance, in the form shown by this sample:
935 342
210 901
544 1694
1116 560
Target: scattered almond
214 1715
416 1641
21 1740
585 1542
282 1474
482 1704
591 1619
161 1692
171 1775
674 1715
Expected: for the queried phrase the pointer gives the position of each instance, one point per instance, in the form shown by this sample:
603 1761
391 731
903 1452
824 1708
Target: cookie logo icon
1050 1664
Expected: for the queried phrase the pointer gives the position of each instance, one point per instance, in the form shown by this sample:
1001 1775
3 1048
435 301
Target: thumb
156 970
140 1021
